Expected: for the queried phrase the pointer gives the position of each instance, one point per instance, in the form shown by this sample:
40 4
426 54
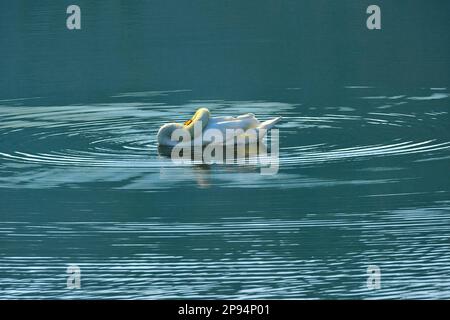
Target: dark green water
364 150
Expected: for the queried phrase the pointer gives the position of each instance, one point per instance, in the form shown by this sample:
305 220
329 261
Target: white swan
202 117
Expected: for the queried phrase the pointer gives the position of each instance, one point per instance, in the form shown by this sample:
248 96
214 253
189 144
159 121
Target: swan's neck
165 134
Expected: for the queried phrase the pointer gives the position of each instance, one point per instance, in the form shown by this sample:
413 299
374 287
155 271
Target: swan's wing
258 132
220 119
245 116
224 123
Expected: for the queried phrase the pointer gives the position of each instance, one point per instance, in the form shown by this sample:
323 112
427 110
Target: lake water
364 151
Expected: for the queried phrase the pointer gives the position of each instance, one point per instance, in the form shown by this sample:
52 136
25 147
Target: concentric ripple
119 137
361 182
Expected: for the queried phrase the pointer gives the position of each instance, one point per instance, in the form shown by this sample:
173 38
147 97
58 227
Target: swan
202 119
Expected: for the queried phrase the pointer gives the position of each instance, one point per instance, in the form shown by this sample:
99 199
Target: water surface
364 151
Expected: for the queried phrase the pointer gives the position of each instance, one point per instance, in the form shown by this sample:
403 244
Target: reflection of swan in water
202 172
202 120
206 175
248 154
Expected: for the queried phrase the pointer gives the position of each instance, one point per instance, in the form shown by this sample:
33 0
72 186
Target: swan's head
165 132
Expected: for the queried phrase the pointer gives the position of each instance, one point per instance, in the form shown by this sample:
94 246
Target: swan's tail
269 123
265 126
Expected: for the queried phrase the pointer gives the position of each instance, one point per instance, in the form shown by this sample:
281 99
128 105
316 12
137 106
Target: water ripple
119 137
236 252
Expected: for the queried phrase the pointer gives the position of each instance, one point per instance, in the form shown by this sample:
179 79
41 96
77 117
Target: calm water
364 151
